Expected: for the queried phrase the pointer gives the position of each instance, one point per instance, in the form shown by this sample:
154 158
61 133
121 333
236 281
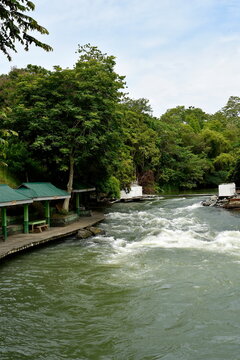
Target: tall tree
69 115
139 137
16 25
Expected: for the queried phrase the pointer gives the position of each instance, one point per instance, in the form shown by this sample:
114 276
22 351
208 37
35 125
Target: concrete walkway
20 242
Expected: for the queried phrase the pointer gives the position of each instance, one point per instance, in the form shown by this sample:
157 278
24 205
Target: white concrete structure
226 190
136 191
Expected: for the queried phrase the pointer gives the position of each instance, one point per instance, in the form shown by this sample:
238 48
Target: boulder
96 231
84 234
89 231
212 201
218 202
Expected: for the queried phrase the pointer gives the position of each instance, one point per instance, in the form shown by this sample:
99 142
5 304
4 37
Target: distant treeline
77 126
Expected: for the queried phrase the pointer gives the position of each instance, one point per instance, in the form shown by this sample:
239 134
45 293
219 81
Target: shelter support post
4 222
47 212
78 203
26 220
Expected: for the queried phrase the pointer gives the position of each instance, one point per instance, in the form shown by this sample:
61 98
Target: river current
163 283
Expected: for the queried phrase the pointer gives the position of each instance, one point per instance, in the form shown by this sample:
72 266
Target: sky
172 52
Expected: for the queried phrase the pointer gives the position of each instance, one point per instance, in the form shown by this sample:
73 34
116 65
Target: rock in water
212 201
89 231
84 234
96 231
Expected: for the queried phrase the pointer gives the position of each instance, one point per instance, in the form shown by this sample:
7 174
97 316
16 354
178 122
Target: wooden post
26 220
4 222
78 203
47 212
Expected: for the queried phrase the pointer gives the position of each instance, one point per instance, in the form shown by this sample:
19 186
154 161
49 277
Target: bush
111 187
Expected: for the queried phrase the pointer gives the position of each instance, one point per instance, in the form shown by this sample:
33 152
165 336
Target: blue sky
173 52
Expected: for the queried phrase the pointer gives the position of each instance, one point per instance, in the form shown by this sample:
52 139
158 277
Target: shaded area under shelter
81 198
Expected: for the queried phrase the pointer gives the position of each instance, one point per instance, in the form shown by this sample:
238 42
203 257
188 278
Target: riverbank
20 242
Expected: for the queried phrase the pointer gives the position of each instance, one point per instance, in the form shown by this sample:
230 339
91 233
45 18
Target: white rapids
171 224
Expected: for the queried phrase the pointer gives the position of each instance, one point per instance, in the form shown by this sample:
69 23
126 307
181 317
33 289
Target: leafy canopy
17 26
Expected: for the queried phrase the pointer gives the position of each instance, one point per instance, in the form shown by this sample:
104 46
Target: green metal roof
42 191
27 192
11 197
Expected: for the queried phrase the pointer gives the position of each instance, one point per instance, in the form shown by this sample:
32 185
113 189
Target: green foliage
125 168
17 26
224 161
22 162
185 170
215 142
232 109
67 116
4 136
234 173
77 125
139 136
214 178
110 187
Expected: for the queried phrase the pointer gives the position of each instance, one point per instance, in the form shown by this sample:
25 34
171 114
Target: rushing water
163 283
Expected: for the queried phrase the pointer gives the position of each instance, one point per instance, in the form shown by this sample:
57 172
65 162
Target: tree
232 109
139 136
3 144
16 25
183 161
215 143
68 116
235 172
196 118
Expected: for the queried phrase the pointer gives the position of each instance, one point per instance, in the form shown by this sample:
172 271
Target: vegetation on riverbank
79 126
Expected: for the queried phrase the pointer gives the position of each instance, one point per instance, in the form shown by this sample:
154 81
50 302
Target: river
163 283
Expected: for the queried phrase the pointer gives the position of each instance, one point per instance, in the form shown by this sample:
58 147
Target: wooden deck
20 242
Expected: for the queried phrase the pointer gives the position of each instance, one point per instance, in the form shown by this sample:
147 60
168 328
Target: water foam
164 227
194 206
227 241
188 208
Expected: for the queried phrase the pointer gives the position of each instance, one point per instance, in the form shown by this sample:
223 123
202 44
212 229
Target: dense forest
78 126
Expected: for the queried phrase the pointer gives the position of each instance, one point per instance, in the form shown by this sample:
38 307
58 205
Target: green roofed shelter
39 191
43 191
11 197
79 190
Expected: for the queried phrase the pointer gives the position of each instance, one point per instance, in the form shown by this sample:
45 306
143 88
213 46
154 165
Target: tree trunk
70 183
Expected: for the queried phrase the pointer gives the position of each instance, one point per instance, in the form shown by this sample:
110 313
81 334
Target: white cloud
173 52
202 79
